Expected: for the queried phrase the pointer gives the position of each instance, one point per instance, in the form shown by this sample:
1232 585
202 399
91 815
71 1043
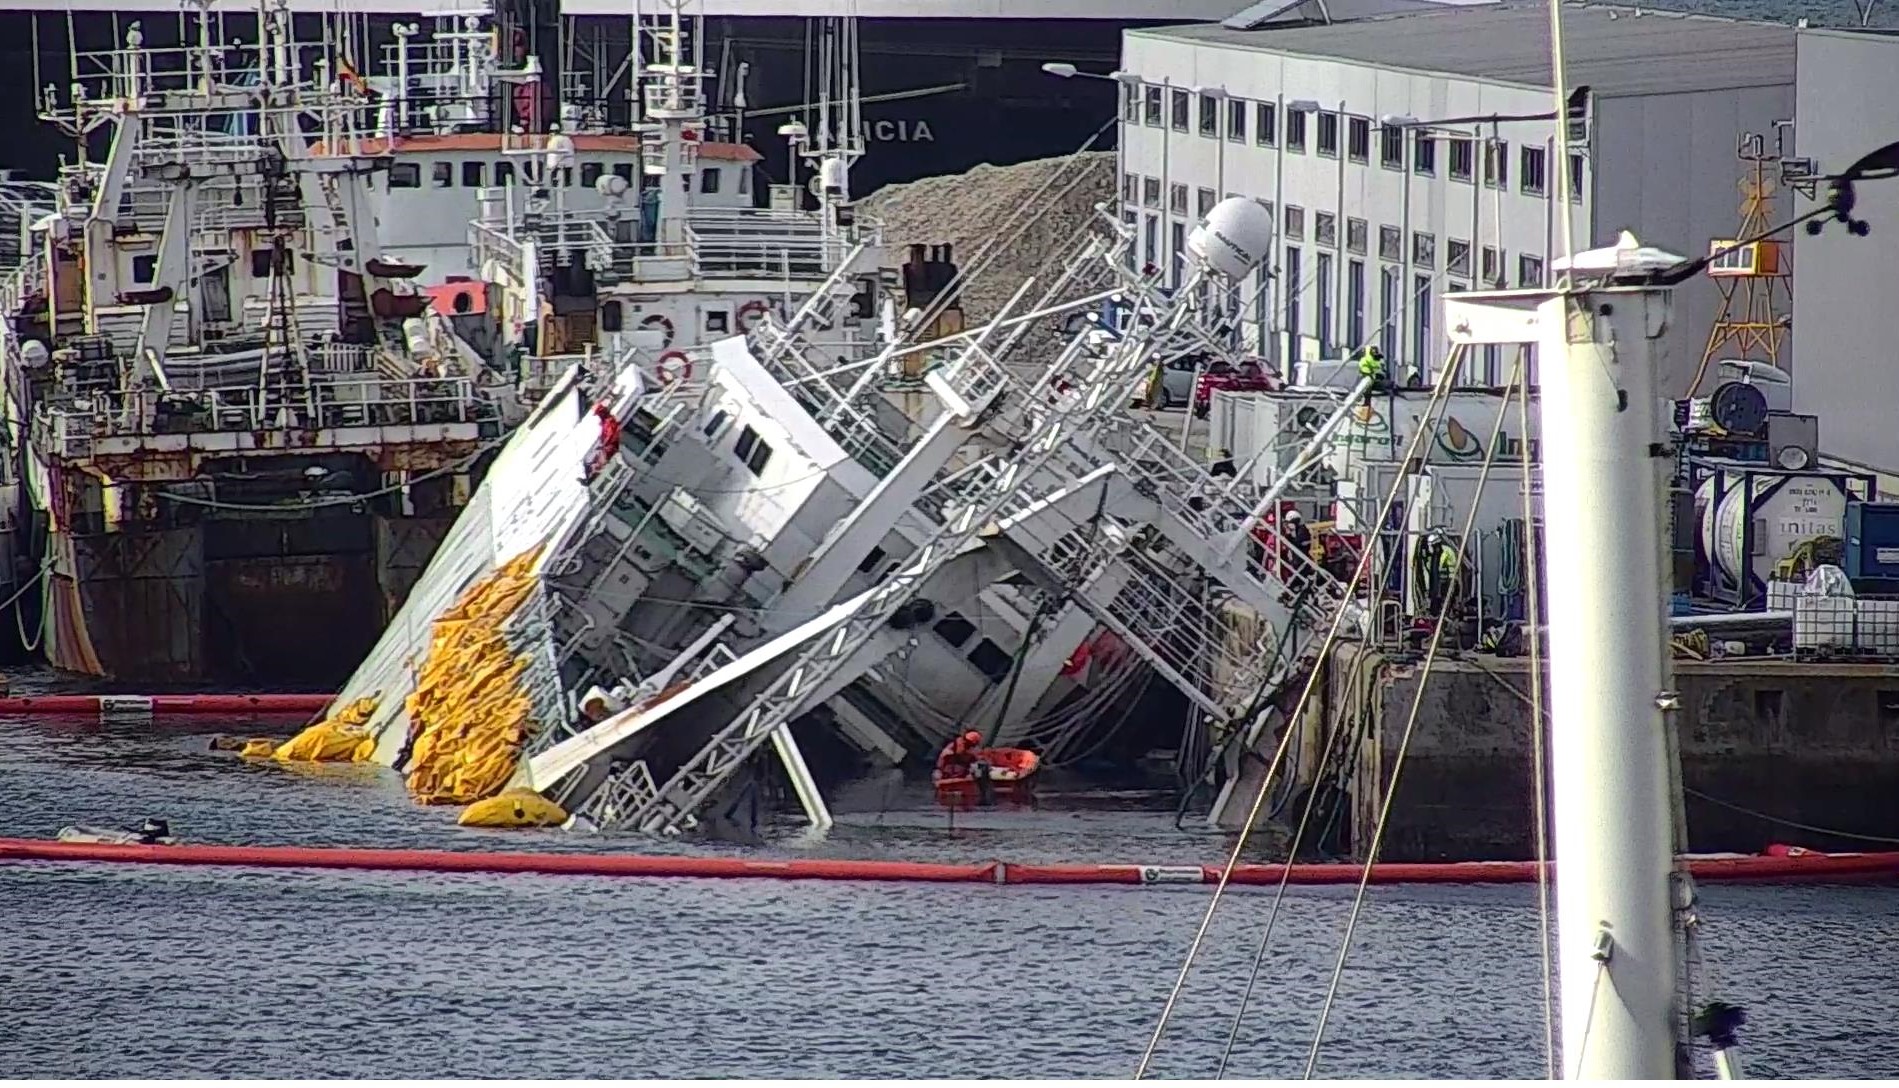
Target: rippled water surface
118 971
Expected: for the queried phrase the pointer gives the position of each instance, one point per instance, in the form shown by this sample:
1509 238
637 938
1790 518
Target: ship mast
1611 672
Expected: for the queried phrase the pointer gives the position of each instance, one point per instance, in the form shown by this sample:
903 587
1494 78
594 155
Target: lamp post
1126 79
1287 284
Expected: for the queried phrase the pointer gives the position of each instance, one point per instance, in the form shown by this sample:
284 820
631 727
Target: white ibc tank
1234 238
1788 511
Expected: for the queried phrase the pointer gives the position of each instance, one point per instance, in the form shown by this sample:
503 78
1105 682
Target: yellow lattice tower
1755 279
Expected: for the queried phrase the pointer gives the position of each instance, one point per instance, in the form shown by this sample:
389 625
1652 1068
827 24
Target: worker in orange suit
958 754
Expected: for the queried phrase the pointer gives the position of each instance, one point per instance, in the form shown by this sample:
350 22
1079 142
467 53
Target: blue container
1872 541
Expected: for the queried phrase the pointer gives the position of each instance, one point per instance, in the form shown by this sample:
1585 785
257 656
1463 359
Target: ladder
1048 432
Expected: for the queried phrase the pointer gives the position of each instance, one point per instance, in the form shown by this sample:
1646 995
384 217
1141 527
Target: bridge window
590 173
991 660
474 175
752 450
442 174
260 263
612 317
717 423
144 268
956 630
405 175
624 171
745 181
871 561
718 321
504 173
709 180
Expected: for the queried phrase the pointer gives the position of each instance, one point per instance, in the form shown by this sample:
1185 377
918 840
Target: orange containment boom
118 706
1786 867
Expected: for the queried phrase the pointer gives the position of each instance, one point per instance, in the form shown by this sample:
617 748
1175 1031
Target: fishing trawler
241 422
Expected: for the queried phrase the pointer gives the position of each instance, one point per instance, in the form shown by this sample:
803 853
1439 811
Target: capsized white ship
774 541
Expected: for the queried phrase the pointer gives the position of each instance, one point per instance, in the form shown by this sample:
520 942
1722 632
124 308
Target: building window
1236 120
1325 229
1354 306
1151 106
1296 130
1295 221
1422 349
1424 154
405 175
1356 231
1463 159
1492 269
1493 366
1177 237
1267 204
1203 202
1150 192
1389 311
1497 163
1358 139
1457 259
1575 178
955 629
1391 147
1530 172
442 175
1130 103
1150 240
1325 305
1529 271
1390 243
752 450
1423 249
1329 134
1182 104
1209 115
1130 188
474 175
1265 127
1294 289
1177 198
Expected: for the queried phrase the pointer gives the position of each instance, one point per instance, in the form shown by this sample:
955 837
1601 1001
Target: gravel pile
1054 198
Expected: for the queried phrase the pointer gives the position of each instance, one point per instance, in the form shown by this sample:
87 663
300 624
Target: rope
1404 740
1539 793
1439 392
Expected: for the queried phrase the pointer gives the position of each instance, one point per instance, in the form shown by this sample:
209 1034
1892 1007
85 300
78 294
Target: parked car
1173 390
1220 375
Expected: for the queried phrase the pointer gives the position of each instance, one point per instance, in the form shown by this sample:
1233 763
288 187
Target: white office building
1413 154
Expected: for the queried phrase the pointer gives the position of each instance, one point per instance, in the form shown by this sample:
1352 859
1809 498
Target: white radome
1235 237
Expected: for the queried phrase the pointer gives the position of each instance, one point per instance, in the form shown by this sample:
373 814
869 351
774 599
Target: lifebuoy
750 314
668 373
659 321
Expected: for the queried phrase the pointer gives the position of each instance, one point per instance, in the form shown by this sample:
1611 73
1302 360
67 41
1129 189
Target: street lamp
1064 70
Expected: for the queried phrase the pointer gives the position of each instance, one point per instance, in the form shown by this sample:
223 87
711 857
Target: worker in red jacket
609 444
958 754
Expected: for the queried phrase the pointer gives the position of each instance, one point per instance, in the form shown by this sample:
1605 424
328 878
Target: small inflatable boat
1002 770
149 833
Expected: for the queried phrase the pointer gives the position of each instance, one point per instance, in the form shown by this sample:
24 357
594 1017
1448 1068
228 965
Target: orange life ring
750 314
665 371
659 321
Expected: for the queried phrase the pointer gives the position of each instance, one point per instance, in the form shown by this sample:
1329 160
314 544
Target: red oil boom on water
155 706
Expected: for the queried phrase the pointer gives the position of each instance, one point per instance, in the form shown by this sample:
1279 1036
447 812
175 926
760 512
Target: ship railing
75 427
496 249
27 278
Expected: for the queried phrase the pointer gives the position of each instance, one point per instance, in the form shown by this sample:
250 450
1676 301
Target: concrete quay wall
1814 744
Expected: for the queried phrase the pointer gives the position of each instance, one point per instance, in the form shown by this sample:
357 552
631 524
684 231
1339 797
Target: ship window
956 630
991 660
590 173
623 171
474 174
564 177
260 263
144 268
504 173
405 175
709 180
752 450
612 317
718 321
871 561
744 181
442 175
717 423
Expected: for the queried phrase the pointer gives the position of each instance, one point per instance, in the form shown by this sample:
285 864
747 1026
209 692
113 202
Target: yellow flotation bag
259 748
514 808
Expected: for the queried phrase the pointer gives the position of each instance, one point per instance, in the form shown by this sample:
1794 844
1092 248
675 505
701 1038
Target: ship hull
293 602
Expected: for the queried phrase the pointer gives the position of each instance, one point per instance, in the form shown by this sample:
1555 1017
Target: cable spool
665 326
750 314
674 366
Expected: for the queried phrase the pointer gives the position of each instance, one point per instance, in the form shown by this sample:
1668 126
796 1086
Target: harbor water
198 972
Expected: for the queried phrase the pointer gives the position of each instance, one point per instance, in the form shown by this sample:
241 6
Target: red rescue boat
1003 770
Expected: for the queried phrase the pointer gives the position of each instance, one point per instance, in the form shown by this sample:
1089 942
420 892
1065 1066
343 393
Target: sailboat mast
1605 457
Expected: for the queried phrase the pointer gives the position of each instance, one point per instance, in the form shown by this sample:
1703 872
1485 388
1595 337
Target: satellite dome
1234 238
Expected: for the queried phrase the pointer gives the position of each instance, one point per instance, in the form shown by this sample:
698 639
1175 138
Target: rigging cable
1326 750
1343 606
1532 589
1404 739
